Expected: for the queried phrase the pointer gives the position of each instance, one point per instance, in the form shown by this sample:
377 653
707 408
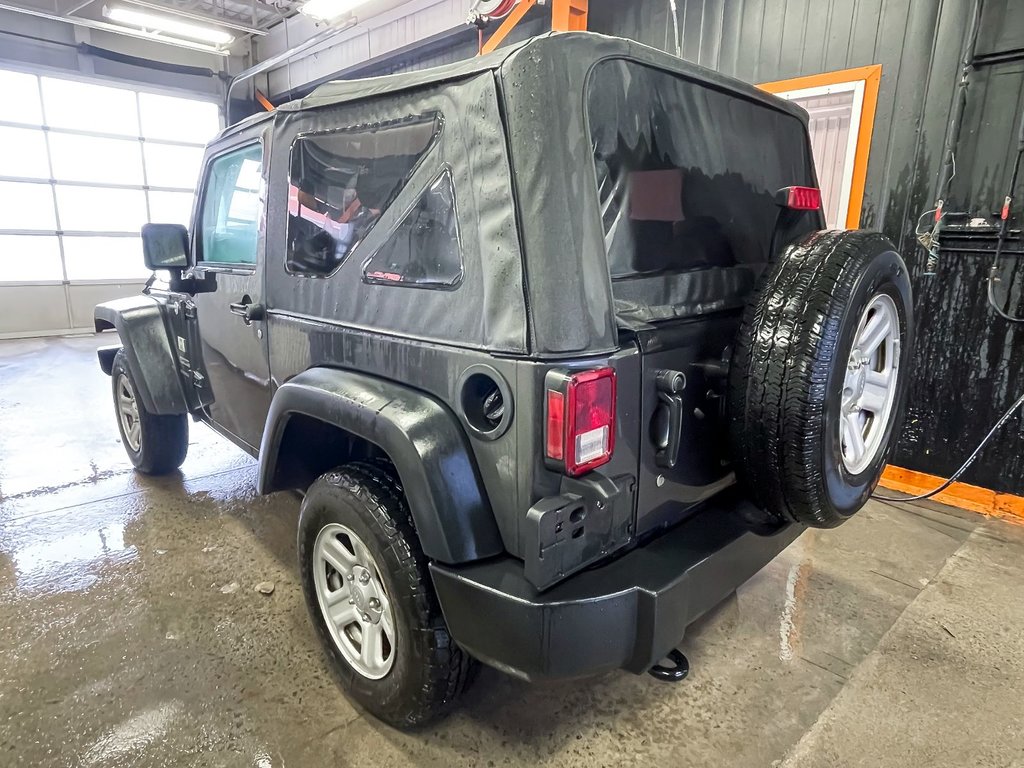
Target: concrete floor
130 632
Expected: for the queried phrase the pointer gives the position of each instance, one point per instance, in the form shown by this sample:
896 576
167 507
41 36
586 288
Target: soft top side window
425 249
229 223
340 182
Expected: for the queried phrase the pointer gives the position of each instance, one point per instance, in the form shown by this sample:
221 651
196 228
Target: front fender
422 438
147 347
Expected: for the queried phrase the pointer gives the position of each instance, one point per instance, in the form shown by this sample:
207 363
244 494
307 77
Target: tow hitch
675 673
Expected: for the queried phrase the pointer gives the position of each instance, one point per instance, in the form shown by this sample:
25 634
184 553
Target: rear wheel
371 599
155 444
819 375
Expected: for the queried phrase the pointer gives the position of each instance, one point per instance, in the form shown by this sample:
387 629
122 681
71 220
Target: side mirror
165 246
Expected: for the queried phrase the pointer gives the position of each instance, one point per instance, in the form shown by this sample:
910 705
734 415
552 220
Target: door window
229 226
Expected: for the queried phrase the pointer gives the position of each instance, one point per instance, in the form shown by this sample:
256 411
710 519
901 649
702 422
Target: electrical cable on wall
930 240
963 467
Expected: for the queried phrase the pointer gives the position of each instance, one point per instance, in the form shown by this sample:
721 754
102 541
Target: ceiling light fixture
157 23
328 10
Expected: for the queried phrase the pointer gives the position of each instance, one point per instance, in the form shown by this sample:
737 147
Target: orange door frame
871 76
566 16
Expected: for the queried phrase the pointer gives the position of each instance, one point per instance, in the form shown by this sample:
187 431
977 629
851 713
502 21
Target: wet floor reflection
70 562
795 597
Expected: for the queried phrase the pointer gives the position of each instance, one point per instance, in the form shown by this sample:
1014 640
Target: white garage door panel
177 119
95 158
84 299
89 258
20 103
26 206
25 308
89 107
30 258
23 153
101 209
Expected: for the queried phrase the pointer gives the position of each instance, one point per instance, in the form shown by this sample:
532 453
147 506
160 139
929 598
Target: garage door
83 166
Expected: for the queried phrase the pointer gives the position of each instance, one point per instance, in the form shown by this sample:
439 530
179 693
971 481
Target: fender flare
148 352
423 439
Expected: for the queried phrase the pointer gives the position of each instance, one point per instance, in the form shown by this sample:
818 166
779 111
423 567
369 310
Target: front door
231 320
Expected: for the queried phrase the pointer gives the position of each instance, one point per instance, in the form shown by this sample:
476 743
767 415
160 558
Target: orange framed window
842 106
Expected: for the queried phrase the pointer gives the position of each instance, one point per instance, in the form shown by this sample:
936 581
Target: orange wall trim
872 77
962 495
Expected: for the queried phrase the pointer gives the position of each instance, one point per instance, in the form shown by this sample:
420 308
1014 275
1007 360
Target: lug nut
375 603
364 578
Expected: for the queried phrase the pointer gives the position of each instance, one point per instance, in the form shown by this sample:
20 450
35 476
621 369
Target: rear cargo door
689 178
683 450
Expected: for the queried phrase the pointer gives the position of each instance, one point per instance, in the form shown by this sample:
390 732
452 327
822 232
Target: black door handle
667 456
669 385
247 310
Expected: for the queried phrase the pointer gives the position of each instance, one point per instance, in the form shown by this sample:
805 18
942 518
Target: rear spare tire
819 376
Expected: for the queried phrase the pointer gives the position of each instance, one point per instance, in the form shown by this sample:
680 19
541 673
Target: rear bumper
627 614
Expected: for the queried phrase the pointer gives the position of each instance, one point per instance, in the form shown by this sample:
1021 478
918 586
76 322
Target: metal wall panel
26 41
969 365
374 38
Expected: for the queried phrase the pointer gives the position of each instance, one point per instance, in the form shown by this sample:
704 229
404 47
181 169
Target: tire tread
781 364
447 669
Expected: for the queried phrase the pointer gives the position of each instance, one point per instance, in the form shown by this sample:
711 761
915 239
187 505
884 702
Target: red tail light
555 426
579 419
802 198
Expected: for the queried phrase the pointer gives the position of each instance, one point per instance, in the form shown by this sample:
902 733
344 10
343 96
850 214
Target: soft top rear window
687 177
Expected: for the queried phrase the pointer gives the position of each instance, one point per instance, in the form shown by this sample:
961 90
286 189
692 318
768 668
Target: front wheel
819 375
155 444
372 601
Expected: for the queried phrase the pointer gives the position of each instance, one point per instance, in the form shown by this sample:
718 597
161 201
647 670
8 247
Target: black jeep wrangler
552 341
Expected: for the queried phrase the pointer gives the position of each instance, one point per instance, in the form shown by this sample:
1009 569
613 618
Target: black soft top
588 47
542 84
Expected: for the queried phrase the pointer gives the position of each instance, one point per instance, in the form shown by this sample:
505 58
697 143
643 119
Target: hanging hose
944 179
1004 223
963 467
